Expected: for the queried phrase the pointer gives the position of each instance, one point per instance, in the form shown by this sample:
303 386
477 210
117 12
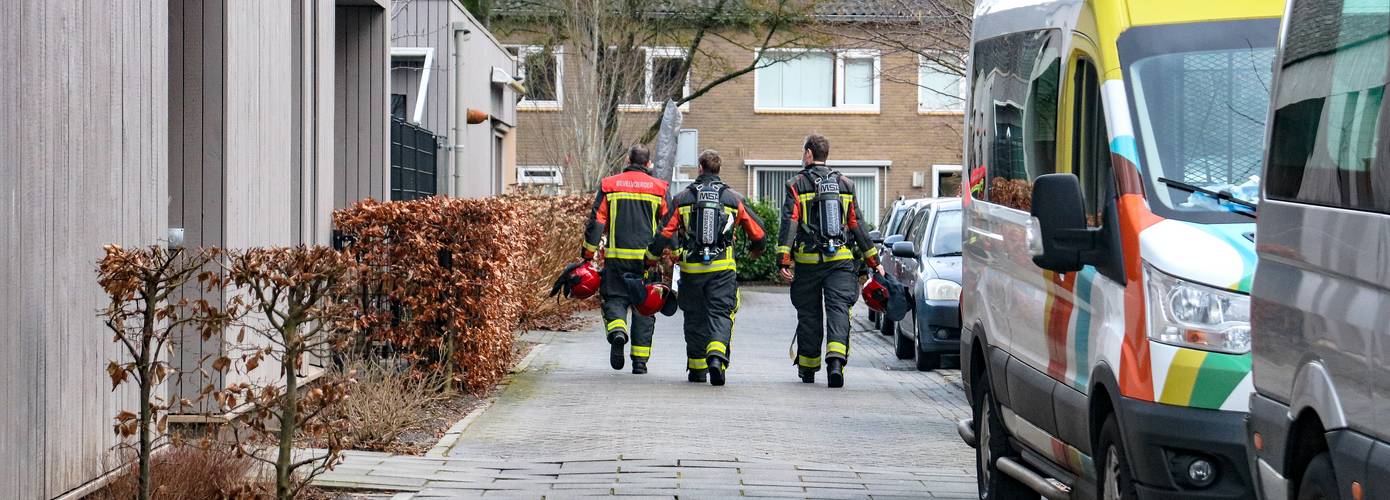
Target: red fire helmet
655 300
584 281
875 294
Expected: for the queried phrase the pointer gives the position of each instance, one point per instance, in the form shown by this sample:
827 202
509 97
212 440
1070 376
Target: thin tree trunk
288 414
145 420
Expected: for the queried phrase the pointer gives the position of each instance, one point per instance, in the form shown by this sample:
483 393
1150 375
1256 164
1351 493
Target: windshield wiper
1220 196
948 254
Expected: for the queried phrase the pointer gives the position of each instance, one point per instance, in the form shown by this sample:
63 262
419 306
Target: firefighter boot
808 375
639 367
716 371
616 357
697 375
835 372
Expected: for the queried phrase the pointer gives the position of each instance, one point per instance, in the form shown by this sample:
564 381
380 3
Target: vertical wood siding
197 145
425 23
84 156
361 107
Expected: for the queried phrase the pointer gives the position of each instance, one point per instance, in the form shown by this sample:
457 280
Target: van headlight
1187 314
938 289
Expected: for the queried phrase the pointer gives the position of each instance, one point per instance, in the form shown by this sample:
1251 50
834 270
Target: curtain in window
772 184
859 82
866 192
805 80
771 187
940 89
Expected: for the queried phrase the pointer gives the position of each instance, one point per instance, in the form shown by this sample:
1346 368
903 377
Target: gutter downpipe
458 119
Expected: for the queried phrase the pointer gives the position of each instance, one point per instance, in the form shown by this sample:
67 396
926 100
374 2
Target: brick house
888 132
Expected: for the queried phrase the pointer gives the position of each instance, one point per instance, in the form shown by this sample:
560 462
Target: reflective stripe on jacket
677 226
626 210
796 213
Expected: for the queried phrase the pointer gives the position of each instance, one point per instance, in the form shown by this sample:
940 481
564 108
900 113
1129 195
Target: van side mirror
905 249
1060 211
876 236
892 240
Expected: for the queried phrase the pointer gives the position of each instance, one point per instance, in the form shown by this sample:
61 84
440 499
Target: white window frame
936 171
559 103
427 53
648 58
923 91
839 105
847 168
558 178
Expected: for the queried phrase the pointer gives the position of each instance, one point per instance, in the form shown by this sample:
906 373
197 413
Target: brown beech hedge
448 280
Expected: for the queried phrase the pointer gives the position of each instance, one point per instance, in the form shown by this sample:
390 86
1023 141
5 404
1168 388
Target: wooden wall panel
84 151
196 143
361 110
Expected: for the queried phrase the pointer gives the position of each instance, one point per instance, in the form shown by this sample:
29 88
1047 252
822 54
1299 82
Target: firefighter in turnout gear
821 232
626 212
700 228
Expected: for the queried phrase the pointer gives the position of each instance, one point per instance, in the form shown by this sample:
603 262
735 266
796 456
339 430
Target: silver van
1319 424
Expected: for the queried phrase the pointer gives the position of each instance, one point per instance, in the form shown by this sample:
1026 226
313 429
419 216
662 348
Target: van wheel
1319 483
1116 481
992 442
903 347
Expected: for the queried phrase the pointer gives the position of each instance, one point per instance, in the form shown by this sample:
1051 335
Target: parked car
1320 312
891 230
927 262
1107 266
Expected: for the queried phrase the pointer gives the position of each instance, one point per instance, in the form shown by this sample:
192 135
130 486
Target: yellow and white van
1113 150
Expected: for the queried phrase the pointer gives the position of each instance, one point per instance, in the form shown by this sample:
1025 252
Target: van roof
996 17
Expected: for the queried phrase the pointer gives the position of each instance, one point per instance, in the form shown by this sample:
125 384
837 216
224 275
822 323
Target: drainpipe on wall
458 117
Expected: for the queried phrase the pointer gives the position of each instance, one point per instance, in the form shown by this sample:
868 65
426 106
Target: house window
661 79
398 106
770 185
939 89
541 70
808 79
945 180
416 64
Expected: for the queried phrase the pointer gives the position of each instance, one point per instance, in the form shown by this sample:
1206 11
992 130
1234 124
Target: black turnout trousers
822 294
710 302
619 315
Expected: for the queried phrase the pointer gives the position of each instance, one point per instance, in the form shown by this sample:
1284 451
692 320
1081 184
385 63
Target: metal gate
414 164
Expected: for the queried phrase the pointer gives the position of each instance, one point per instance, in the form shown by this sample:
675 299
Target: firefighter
821 233
625 212
700 228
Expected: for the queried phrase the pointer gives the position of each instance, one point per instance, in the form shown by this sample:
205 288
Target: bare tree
936 31
293 300
144 311
608 69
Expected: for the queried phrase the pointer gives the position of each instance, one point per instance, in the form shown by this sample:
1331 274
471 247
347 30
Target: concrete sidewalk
571 420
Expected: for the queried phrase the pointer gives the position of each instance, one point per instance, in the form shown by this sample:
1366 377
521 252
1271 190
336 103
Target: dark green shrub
766 266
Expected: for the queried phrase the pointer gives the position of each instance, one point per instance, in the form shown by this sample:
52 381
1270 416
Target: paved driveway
890 432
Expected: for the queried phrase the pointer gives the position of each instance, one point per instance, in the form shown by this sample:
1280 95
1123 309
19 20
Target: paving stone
890 433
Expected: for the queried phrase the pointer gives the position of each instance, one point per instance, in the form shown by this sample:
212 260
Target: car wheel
927 361
1116 480
1319 482
903 347
991 442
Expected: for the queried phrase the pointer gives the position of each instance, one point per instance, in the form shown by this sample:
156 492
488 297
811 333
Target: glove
785 261
755 254
586 254
871 262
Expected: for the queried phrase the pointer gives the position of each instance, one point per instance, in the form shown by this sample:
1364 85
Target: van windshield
1200 96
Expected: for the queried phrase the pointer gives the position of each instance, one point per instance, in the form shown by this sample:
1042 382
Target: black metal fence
414 162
